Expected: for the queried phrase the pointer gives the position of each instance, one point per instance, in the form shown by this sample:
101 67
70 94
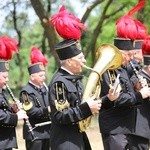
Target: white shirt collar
67 70
34 84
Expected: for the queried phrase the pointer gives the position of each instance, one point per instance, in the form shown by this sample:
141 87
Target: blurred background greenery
28 22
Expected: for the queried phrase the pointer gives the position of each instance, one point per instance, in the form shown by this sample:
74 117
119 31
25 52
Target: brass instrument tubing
89 68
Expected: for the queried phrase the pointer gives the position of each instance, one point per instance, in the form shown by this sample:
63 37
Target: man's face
148 69
3 79
137 55
126 57
38 78
76 63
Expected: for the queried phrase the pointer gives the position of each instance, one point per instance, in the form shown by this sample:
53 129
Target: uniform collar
38 88
34 84
66 70
69 76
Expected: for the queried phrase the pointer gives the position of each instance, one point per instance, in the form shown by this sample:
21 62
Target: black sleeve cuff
13 119
106 103
138 96
85 109
45 110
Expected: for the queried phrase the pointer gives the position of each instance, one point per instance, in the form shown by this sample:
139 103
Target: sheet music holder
116 84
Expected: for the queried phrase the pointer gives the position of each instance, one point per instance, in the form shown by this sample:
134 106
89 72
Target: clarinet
142 80
19 107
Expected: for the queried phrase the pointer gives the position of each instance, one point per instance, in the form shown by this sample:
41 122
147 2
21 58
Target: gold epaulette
61 102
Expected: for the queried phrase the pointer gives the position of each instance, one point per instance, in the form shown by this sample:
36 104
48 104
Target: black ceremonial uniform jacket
8 122
65 133
118 117
142 127
38 113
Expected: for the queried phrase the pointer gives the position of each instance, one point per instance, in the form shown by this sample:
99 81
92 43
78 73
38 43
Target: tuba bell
108 58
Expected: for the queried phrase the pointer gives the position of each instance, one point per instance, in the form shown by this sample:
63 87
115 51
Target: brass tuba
108 57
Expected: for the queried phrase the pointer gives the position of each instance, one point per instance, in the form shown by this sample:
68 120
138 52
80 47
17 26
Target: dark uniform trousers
117 119
38 145
115 141
138 142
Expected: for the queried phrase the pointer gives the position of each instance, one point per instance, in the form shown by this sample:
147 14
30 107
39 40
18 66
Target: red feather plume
67 25
146 46
7 47
37 56
127 27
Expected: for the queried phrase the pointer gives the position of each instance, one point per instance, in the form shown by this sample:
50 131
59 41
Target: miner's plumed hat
69 28
130 31
7 47
38 61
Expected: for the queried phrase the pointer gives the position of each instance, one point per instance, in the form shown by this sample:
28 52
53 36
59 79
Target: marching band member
142 128
36 93
66 88
8 116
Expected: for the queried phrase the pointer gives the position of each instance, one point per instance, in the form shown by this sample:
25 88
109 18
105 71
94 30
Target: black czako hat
38 61
69 28
4 66
68 49
127 44
123 44
130 32
35 68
